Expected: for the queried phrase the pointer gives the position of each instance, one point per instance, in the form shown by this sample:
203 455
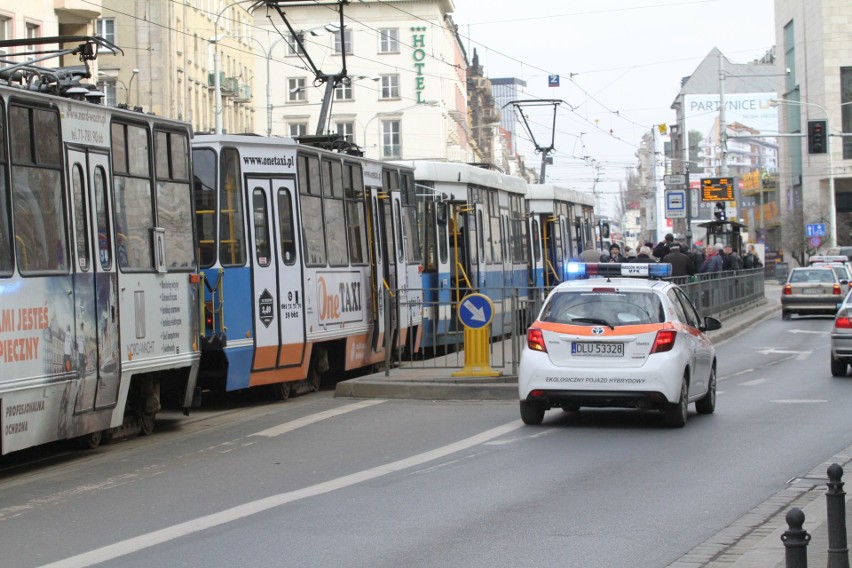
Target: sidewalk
753 541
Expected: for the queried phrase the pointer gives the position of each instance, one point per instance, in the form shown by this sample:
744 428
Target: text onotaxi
616 335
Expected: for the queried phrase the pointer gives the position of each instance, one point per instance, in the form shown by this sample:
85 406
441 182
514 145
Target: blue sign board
476 311
553 80
815 229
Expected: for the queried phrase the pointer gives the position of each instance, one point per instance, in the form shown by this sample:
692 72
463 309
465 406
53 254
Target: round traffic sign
815 242
476 311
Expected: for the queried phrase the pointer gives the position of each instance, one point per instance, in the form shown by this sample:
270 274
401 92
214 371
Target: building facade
45 18
816 51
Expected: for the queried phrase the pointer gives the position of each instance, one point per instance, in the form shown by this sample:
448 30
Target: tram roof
550 192
460 173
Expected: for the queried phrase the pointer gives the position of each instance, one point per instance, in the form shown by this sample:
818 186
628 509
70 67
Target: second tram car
301 249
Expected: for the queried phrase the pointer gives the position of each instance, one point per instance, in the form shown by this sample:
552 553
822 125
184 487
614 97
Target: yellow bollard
475 313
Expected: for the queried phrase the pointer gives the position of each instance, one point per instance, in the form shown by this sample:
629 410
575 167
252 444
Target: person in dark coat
615 254
644 255
681 263
664 247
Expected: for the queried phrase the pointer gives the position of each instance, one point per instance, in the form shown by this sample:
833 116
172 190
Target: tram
308 257
562 222
475 239
99 305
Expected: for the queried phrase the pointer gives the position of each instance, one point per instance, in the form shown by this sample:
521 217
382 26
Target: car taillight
836 290
843 322
664 341
535 340
787 290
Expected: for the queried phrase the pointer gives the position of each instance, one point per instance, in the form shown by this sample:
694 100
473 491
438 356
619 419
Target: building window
790 56
292 45
5 24
347 39
33 32
343 92
391 139
390 87
846 109
297 129
389 40
105 27
296 90
346 129
110 92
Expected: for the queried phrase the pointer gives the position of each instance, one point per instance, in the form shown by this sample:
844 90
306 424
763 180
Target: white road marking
313 418
743 372
141 542
806 331
800 355
753 383
798 401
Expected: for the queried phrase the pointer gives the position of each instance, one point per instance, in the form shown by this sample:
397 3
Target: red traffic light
817 143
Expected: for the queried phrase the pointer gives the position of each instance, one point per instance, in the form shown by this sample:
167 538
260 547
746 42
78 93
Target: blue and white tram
298 246
475 239
561 223
99 307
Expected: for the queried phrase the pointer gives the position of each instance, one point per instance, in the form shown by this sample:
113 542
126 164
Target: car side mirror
710 324
844 282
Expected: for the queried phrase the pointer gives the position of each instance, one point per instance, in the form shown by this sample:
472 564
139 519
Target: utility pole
544 150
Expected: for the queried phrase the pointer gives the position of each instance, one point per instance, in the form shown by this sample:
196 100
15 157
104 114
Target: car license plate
596 349
812 291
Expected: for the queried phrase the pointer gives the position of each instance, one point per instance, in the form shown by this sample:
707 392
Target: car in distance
811 290
841 339
618 342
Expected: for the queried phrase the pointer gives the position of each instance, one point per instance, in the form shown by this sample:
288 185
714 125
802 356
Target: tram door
95 283
391 244
278 305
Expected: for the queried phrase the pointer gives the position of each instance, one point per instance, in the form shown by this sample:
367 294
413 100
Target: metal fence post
795 540
835 500
388 331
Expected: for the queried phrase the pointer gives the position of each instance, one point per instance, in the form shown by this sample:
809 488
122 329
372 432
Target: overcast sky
627 58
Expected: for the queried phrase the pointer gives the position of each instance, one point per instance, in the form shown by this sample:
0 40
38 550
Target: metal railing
441 339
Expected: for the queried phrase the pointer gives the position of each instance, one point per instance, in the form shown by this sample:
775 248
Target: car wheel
838 368
785 315
676 412
532 412
707 405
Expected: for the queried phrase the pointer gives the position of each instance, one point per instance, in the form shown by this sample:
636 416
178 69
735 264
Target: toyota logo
597 330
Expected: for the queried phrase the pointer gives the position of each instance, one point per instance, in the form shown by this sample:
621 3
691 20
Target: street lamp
217 83
832 204
130 86
392 113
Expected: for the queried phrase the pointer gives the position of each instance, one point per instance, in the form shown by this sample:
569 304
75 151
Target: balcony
243 94
230 86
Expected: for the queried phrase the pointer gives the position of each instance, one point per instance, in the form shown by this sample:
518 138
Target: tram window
104 240
311 204
204 191
232 247
481 239
5 226
261 227
400 247
353 187
37 200
536 241
133 201
285 221
81 217
412 236
443 249
333 209
174 200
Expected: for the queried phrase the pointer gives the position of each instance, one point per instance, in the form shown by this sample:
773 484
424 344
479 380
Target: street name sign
675 179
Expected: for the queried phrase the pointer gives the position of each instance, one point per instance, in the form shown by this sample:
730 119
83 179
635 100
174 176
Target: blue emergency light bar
619 270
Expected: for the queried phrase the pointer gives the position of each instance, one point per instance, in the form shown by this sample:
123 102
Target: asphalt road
318 481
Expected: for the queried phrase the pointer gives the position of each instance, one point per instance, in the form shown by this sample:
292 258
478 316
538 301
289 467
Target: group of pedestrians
714 258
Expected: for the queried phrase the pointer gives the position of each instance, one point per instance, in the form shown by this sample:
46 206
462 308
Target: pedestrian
630 254
730 259
664 246
750 259
590 254
615 254
644 255
681 263
712 259
697 257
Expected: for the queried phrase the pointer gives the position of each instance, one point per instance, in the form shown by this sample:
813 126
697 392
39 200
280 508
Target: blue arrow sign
815 229
476 311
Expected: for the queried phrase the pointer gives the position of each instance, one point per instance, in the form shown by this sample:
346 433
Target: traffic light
817 141
720 213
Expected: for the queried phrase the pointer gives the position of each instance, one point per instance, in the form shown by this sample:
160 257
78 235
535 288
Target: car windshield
612 308
812 276
841 272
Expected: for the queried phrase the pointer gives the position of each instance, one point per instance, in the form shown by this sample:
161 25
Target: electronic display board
717 189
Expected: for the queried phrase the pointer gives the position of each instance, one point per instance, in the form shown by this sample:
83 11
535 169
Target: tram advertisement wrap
340 297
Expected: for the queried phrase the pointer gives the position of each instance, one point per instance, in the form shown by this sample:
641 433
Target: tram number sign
717 189
266 308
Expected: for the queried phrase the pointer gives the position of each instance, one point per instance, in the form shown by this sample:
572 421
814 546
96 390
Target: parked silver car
811 290
841 339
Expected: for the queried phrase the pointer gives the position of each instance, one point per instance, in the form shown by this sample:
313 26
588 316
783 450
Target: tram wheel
147 423
314 375
281 391
91 441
